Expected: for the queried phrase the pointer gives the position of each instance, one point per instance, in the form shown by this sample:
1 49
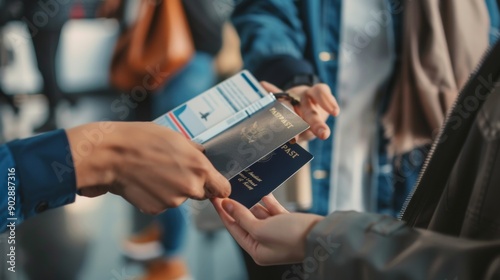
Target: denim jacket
37 174
284 38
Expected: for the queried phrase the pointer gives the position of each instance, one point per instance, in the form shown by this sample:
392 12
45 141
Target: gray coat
451 226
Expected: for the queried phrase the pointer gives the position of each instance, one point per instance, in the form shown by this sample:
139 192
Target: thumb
243 217
216 185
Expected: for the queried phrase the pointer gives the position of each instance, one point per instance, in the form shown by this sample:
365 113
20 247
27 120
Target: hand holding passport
255 154
245 132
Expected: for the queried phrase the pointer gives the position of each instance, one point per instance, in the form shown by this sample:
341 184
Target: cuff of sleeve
45 169
279 70
333 242
324 241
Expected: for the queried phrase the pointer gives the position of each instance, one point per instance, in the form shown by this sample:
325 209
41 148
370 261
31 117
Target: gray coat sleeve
351 245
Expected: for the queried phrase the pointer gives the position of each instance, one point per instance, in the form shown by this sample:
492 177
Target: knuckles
194 189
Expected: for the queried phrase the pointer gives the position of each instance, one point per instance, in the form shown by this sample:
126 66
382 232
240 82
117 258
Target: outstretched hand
316 104
269 233
151 166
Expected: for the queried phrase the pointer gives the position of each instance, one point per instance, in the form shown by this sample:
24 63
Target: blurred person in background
9 10
45 21
393 81
160 243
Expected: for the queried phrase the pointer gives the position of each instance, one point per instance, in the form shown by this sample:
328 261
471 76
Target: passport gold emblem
252 133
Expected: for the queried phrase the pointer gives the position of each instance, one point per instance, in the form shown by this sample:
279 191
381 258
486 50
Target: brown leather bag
156 46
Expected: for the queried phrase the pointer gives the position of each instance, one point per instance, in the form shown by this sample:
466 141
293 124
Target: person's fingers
240 214
270 87
315 103
260 211
306 136
239 234
145 201
273 206
309 108
322 95
217 202
216 185
197 146
310 113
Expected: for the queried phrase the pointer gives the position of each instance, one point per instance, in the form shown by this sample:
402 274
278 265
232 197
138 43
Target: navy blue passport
264 176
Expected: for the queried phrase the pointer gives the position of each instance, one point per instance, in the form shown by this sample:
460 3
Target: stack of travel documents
246 134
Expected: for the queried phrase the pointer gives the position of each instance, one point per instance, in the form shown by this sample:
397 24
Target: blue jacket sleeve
272 39
494 13
36 174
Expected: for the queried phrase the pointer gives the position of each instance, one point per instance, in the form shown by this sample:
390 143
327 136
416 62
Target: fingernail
227 206
321 132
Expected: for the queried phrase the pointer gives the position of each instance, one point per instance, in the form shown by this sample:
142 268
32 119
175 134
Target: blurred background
54 73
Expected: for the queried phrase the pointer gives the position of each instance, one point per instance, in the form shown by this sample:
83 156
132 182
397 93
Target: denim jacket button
326 56
320 174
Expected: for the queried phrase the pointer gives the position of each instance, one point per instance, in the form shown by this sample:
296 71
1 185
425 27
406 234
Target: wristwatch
302 80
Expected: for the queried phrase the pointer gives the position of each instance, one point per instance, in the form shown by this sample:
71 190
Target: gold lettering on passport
253 175
244 180
281 118
250 180
289 151
249 184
